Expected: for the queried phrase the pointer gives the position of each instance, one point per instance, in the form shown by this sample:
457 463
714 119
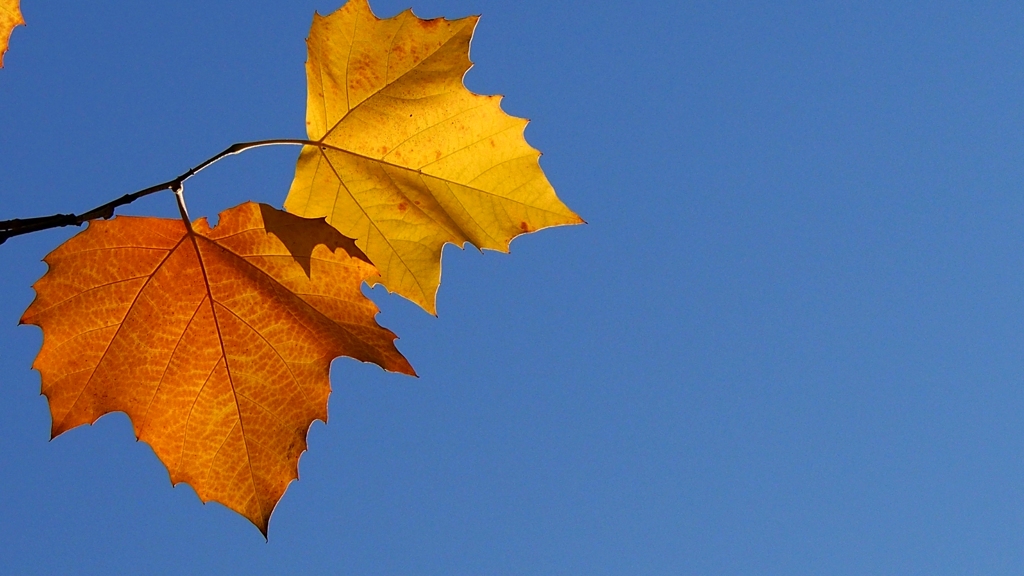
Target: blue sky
789 340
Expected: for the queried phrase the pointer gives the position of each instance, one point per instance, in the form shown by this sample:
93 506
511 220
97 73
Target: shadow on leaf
300 235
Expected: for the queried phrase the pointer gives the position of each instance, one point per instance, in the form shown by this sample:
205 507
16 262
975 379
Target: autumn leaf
10 16
408 158
216 342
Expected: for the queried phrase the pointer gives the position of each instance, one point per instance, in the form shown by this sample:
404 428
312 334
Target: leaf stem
179 197
19 226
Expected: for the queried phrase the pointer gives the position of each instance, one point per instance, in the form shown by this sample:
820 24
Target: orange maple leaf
10 16
216 342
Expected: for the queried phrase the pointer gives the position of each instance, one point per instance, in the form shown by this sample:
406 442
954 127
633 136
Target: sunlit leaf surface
216 342
409 158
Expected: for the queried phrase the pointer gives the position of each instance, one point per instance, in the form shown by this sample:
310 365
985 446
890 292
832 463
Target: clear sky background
789 341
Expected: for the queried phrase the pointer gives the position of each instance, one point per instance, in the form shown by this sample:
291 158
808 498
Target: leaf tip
5 34
404 367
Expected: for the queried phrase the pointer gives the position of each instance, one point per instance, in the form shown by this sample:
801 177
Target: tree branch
19 226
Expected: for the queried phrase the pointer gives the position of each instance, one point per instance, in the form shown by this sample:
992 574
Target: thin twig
19 226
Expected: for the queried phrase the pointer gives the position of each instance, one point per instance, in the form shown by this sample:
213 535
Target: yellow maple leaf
10 16
408 158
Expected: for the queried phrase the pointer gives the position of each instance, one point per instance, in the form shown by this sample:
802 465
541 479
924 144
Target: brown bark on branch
19 226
